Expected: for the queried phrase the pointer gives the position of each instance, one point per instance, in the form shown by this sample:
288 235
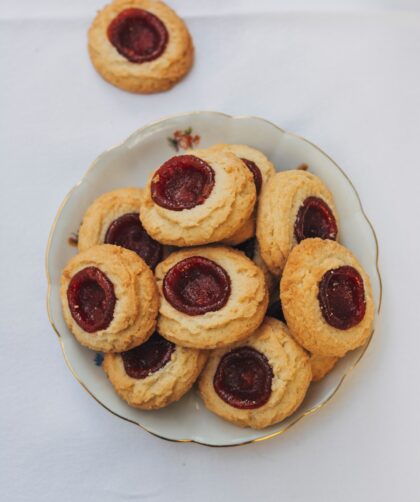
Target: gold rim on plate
297 419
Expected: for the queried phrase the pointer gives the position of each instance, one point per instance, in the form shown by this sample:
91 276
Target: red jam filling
243 378
197 285
182 182
256 173
91 299
138 35
148 358
342 297
275 310
128 232
315 219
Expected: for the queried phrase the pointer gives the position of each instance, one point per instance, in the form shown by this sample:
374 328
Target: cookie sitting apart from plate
113 218
109 298
154 374
210 297
258 382
262 169
198 198
293 206
140 45
326 298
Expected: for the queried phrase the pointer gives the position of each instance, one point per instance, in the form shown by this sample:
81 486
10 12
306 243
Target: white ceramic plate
129 164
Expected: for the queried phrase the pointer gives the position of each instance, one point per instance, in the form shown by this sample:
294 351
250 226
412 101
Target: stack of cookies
220 270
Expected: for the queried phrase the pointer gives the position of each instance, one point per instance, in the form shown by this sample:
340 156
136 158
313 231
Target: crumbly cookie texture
137 299
279 203
305 267
321 366
226 209
242 314
103 211
161 388
291 377
154 76
267 170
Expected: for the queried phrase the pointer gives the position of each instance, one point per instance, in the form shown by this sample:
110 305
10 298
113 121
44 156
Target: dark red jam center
315 219
275 310
182 182
138 35
243 378
197 285
255 170
342 297
128 232
149 357
91 299
247 247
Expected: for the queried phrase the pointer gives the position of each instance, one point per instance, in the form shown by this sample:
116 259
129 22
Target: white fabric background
346 77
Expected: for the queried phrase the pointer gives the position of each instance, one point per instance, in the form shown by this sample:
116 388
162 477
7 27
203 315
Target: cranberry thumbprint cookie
154 374
262 169
109 298
293 206
113 218
326 298
140 45
258 382
198 198
210 297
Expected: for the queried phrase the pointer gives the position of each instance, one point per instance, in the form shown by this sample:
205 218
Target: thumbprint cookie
154 374
262 169
140 45
210 297
113 218
293 206
109 298
257 382
326 297
321 366
198 198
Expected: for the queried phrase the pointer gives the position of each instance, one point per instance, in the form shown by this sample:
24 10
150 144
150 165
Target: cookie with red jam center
258 382
155 373
109 298
261 169
140 45
113 218
326 298
295 206
210 297
198 198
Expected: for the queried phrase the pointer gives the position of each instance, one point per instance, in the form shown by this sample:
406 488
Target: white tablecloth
348 80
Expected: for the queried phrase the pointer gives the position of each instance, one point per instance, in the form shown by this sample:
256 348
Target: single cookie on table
327 298
262 169
109 298
113 218
321 366
257 382
293 206
210 297
198 198
140 46
154 374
